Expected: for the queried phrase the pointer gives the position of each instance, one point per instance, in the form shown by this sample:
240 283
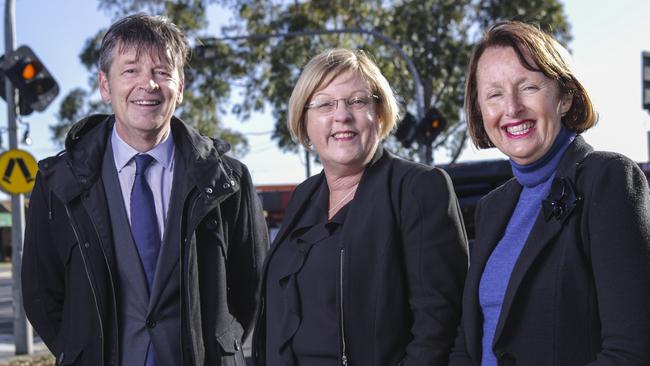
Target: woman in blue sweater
559 273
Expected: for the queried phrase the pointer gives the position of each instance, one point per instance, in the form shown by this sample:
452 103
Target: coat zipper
187 240
110 276
344 356
92 287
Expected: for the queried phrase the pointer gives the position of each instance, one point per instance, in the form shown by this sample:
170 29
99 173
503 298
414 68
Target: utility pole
23 335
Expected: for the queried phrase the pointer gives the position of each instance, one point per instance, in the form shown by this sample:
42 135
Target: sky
608 38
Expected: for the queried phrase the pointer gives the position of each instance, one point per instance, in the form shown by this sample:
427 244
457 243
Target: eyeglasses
353 103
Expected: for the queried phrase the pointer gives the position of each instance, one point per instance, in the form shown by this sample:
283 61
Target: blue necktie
144 224
144 228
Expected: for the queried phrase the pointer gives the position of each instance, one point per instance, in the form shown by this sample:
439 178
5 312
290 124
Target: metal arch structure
426 153
419 94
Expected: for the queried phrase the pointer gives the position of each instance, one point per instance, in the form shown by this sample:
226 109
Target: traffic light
36 86
406 130
645 80
430 126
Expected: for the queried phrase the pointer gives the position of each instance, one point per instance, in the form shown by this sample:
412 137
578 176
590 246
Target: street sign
17 171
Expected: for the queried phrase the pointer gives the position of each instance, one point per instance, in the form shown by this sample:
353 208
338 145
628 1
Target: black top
404 265
302 322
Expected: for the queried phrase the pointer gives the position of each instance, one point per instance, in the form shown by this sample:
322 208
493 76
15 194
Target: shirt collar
163 153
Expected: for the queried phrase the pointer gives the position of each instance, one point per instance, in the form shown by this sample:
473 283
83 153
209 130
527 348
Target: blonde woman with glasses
369 265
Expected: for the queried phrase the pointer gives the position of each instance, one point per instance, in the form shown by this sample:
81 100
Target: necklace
339 203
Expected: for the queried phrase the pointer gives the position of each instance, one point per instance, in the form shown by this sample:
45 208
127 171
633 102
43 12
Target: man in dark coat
144 242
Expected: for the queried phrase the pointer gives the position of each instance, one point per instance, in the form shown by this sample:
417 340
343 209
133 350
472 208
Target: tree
206 81
437 35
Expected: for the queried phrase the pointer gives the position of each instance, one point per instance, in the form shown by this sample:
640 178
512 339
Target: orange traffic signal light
36 86
29 71
430 126
423 131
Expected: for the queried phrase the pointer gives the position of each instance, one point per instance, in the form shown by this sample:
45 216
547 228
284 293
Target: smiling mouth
146 102
344 135
519 129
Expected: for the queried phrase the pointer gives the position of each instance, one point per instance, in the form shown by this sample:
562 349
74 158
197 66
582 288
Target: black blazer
580 290
404 267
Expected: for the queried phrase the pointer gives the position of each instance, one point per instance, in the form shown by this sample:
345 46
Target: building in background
471 180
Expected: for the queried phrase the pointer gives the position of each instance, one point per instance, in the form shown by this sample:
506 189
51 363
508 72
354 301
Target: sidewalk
8 350
7 342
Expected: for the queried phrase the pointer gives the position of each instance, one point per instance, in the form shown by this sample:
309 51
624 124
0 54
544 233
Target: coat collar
300 200
306 189
501 204
79 166
543 231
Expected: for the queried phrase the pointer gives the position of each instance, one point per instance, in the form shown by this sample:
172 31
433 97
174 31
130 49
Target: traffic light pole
426 154
23 336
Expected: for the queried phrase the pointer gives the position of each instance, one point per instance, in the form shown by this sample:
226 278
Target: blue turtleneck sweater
536 180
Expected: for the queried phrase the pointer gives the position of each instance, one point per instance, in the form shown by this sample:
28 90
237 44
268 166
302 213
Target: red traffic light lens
29 71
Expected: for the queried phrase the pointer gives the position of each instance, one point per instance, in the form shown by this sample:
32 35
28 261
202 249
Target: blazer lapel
169 256
300 200
297 206
540 236
491 227
542 233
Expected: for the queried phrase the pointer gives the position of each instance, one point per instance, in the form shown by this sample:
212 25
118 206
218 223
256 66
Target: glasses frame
311 105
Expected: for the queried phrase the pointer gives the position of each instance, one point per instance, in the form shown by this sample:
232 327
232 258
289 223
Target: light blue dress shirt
159 175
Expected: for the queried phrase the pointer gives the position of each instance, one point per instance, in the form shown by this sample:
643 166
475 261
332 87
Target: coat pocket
68 251
232 353
70 355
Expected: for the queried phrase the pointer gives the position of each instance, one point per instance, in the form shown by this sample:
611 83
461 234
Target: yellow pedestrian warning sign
17 171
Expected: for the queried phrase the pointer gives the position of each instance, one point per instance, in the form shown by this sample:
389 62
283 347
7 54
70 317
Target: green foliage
206 81
548 14
74 107
437 35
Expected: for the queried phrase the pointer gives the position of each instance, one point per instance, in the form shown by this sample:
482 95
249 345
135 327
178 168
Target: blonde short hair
537 51
325 67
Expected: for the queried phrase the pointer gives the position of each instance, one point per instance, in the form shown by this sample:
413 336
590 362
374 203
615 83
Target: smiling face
344 139
521 109
144 92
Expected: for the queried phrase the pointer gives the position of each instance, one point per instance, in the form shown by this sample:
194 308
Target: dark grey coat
69 266
580 290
